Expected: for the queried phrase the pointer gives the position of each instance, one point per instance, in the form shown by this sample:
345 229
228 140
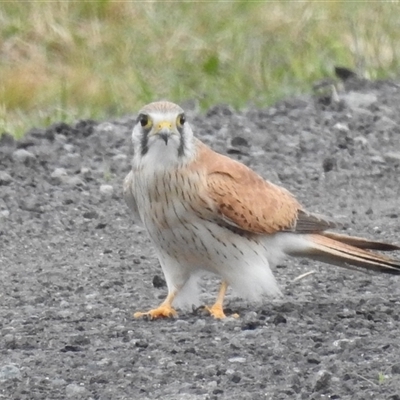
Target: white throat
160 156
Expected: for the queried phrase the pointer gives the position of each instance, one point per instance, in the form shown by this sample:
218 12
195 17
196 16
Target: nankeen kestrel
205 212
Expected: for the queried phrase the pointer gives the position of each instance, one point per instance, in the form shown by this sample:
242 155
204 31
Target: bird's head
161 135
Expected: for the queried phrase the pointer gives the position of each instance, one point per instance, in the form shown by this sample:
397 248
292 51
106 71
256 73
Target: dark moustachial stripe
144 142
181 148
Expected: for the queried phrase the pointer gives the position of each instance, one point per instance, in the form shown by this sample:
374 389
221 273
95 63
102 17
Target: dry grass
63 60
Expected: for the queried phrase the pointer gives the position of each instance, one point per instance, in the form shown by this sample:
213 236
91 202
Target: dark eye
181 120
144 120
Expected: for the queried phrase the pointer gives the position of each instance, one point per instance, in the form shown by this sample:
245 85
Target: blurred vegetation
66 60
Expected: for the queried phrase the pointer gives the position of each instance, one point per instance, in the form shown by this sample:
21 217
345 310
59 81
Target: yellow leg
164 310
217 310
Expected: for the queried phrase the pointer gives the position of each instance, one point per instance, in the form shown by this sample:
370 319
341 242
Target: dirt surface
74 267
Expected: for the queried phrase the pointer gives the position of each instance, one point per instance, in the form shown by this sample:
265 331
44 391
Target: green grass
382 378
65 60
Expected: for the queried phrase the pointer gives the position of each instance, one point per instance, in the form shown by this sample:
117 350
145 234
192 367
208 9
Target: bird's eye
181 120
144 121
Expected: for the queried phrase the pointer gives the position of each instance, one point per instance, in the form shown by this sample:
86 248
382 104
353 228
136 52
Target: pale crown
161 137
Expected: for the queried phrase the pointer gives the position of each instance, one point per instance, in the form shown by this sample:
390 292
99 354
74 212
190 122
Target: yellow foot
159 312
216 311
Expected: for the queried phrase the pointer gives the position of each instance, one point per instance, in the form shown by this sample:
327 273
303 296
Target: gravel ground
74 266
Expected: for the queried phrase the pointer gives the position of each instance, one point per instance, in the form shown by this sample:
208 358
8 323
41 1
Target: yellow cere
164 124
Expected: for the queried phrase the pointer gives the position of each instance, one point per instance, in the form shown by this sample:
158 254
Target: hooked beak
164 131
165 136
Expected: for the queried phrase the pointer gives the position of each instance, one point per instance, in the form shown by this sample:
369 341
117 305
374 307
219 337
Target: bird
209 214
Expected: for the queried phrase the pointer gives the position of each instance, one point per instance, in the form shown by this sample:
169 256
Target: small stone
73 181
104 362
385 124
9 372
344 140
322 381
237 360
106 190
159 282
86 172
73 391
313 359
120 157
9 340
359 100
344 343
251 325
279 319
60 138
347 313
58 382
250 316
69 148
64 304
91 215
23 156
80 340
396 369
231 319
32 204
239 141
63 314
4 214
58 173
329 164
238 145
105 127
7 330
306 141
143 344
180 323
200 323
377 229
361 140
235 343
236 378
5 178
341 127
71 160
378 160
392 156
